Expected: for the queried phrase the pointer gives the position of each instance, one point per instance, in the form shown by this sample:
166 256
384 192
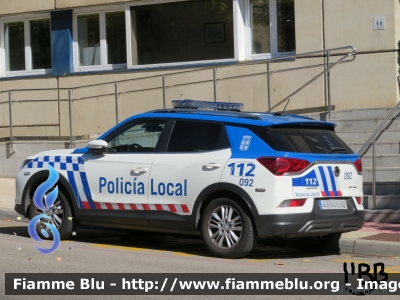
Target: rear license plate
332 204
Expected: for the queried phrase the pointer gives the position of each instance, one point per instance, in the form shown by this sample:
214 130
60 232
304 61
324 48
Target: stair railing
346 54
327 68
372 140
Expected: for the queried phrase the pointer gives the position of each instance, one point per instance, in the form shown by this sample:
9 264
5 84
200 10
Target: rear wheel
60 215
226 229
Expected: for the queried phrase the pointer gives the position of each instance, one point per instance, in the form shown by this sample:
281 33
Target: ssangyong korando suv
206 167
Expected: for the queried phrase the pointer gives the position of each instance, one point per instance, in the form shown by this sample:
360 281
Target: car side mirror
98 147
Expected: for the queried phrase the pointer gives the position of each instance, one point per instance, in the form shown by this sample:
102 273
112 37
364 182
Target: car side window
194 136
139 137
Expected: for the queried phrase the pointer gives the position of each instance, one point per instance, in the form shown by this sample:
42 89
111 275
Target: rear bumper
317 222
307 224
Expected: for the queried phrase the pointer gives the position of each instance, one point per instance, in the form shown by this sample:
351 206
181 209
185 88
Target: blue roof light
207 105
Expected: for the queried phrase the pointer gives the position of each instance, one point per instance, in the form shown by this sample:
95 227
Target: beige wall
369 79
62 4
283 84
346 22
350 22
29 113
24 6
308 25
8 7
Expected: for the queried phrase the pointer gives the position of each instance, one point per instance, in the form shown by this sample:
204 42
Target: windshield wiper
338 149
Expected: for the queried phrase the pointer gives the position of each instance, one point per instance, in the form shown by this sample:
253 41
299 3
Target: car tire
234 227
67 225
325 243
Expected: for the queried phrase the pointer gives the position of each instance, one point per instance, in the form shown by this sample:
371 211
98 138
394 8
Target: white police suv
206 167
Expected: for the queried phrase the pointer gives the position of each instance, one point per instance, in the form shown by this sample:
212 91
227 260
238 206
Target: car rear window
305 140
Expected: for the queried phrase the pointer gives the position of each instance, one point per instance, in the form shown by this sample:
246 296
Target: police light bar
207 105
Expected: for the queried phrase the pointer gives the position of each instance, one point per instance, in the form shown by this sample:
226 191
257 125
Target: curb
369 247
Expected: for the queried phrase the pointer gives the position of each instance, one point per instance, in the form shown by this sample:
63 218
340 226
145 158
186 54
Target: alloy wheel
225 227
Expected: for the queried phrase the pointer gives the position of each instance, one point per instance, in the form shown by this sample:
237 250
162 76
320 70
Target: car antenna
281 113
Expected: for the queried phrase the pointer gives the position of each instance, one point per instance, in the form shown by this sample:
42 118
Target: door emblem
245 143
336 171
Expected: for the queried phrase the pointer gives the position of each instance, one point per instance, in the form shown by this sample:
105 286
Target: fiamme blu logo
44 202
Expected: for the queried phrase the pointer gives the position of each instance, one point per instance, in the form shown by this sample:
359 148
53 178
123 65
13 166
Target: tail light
283 165
358 200
292 203
358 165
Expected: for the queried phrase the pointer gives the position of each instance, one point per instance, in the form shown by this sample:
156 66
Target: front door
119 179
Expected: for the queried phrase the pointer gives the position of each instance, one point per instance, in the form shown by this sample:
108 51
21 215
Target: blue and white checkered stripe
75 168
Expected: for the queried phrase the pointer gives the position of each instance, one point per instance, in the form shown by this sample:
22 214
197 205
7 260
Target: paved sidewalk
7 193
374 239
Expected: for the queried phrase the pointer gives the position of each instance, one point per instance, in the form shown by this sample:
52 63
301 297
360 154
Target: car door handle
139 170
212 166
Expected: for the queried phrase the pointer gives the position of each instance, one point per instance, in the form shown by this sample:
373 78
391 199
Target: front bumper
20 208
316 222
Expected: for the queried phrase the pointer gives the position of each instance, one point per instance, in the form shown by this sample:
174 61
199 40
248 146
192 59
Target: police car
206 167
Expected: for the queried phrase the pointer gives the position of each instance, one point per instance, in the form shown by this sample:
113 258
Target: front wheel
60 216
226 229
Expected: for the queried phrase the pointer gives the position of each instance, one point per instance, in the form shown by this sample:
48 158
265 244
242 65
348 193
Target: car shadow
188 245
19 230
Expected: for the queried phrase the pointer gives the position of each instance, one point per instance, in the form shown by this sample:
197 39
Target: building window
182 32
272 27
26 45
138 34
116 38
89 40
100 39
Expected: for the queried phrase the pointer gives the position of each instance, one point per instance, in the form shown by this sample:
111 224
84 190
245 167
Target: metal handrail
348 51
372 140
279 59
363 149
312 54
312 80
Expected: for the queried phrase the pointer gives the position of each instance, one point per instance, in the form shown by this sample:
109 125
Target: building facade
162 50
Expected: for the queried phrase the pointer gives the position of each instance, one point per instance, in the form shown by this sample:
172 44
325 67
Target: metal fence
342 55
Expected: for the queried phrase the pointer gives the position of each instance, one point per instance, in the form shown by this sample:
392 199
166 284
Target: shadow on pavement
190 245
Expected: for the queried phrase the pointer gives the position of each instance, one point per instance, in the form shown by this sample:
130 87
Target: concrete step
355 114
389 147
372 124
382 174
361 136
382 202
382 160
382 215
382 188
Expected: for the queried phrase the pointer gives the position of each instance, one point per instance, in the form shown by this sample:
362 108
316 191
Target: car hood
60 152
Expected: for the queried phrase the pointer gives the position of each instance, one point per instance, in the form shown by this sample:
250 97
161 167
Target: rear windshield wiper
338 149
